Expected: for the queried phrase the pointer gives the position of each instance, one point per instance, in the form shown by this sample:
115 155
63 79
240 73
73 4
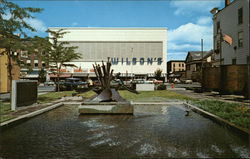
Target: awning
84 74
61 75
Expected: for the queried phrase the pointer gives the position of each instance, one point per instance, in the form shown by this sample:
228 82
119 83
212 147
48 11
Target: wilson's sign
135 60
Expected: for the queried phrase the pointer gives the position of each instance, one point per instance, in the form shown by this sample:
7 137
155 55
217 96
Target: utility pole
248 68
202 64
221 77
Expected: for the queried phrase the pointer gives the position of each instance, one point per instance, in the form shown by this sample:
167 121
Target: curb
219 120
155 103
30 115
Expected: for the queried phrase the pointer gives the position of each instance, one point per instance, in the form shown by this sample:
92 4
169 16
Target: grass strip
51 96
234 112
149 94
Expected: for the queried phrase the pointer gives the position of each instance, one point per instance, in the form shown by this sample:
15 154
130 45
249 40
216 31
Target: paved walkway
214 96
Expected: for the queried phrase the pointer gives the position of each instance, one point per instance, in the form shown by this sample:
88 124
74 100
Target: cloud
176 56
174 46
194 7
190 33
74 24
188 37
205 20
37 24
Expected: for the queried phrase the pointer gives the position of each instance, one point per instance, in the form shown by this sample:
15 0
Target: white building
133 51
233 20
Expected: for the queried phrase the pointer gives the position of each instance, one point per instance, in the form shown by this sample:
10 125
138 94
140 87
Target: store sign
135 60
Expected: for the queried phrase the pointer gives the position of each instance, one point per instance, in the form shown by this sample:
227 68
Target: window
24 54
174 65
36 63
218 47
240 16
43 64
28 62
179 65
233 61
240 39
218 27
182 65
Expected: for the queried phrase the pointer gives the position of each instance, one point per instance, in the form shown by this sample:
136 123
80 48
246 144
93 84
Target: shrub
161 87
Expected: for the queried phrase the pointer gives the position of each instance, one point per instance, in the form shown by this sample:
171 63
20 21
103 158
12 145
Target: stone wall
211 78
234 78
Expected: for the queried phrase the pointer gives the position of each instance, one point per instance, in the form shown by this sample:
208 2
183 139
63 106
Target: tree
59 53
12 31
42 76
158 74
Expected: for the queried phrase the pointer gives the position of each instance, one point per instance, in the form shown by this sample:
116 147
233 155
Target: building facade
33 65
195 60
233 22
176 66
231 44
4 75
132 51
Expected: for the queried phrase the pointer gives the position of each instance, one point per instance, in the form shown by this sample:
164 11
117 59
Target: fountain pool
153 131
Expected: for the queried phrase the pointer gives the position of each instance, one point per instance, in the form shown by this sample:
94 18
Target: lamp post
132 62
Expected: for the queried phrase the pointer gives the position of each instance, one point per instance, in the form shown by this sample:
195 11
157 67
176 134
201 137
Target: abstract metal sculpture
106 93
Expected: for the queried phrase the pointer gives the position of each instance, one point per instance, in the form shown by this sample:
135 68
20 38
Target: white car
49 83
188 81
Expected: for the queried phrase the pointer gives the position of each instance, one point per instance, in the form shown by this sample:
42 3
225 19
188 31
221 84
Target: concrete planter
106 108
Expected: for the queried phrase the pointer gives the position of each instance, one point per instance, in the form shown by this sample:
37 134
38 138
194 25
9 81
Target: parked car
138 81
73 84
49 83
155 81
188 81
177 80
115 82
96 83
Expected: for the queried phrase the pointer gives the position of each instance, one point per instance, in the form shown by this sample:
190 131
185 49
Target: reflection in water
154 131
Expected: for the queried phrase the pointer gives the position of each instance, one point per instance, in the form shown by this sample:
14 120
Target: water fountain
108 99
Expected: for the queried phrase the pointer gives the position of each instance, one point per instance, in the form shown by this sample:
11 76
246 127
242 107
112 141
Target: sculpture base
106 108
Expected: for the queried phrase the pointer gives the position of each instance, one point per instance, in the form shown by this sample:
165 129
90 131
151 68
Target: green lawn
148 95
51 96
236 113
4 111
4 107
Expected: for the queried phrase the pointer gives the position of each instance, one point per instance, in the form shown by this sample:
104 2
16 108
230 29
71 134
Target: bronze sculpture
106 93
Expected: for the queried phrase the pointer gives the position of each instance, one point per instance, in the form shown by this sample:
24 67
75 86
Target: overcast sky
187 21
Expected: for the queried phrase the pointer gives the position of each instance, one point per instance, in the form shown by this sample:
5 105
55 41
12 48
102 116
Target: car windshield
72 80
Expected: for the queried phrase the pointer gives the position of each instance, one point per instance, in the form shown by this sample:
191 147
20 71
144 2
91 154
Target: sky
187 21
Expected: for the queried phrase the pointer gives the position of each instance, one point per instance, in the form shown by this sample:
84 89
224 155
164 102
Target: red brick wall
234 78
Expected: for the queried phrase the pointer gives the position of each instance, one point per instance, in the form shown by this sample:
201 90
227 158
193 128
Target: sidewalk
214 96
35 109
